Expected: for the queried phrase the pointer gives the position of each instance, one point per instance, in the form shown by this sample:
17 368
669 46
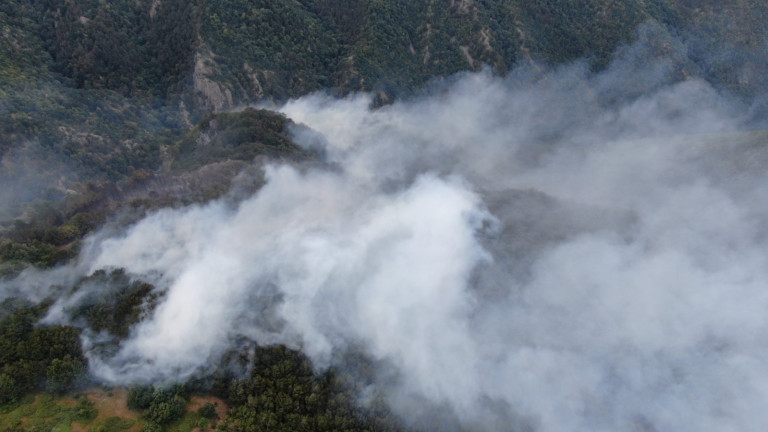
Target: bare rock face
210 92
153 8
258 89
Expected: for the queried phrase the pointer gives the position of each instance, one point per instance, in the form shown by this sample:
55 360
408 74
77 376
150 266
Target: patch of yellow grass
109 403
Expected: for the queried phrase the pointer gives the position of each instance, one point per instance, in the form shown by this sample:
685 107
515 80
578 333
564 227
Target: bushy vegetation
49 234
37 357
160 406
46 230
46 237
116 45
34 357
112 302
46 413
236 136
277 47
283 393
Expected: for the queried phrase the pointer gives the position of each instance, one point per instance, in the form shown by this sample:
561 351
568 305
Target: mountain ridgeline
228 52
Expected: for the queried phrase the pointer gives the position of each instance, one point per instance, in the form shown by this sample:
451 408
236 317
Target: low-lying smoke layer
557 251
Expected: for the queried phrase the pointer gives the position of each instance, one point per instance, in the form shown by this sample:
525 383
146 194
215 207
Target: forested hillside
243 50
97 90
114 110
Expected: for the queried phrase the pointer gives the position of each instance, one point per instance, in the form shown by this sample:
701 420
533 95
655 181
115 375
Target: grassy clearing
41 412
191 422
97 410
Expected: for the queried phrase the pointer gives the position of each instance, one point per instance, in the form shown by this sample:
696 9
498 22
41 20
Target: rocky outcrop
209 92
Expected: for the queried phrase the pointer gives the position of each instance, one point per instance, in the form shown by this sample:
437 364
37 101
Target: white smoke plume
556 251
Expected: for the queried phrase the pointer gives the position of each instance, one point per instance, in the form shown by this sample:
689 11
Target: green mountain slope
234 51
106 92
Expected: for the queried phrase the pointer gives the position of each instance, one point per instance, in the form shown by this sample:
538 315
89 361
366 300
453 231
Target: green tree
63 373
166 411
84 410
208 411
9 392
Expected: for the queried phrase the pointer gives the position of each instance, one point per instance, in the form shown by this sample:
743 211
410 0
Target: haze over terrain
552 241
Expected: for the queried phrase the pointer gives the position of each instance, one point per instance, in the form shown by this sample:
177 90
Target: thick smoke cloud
639 303
348 263
553 250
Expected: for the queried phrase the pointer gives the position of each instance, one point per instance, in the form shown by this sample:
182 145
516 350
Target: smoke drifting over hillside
551 250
